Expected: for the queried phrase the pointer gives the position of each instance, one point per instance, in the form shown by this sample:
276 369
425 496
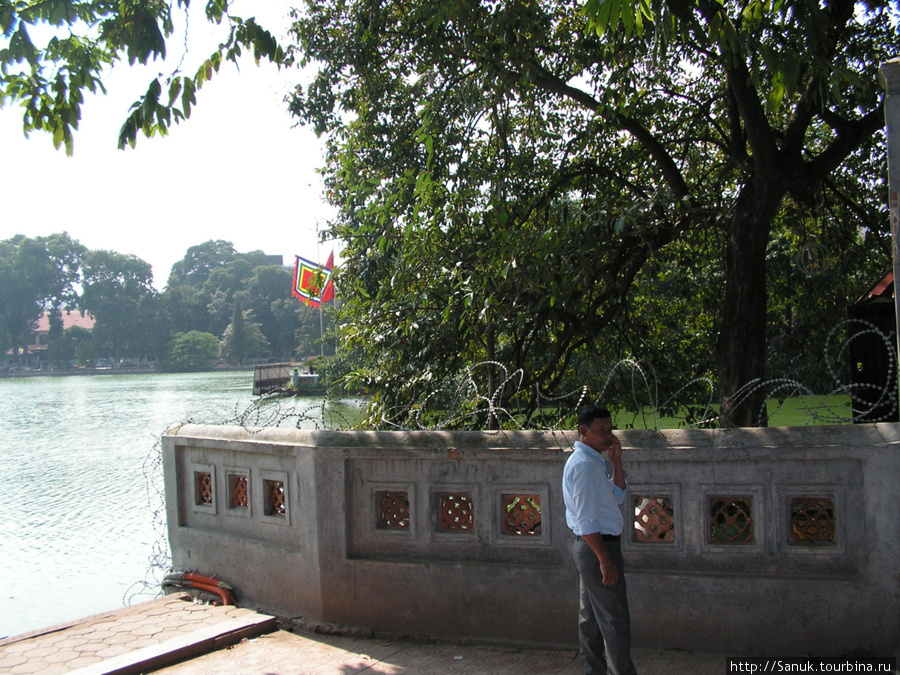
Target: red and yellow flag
312 282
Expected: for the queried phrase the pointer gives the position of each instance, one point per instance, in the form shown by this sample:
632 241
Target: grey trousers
604 624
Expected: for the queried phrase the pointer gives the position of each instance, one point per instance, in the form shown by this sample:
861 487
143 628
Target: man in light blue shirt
593 512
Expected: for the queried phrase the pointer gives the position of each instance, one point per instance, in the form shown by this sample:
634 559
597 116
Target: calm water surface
81 509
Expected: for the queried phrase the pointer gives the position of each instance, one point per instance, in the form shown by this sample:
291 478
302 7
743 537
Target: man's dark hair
588 414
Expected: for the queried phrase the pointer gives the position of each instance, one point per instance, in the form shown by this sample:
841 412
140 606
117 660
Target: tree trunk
741 350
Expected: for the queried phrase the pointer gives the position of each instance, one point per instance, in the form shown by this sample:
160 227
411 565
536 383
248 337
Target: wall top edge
668 439
440 440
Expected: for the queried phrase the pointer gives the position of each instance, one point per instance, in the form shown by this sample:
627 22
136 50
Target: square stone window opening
654 519
731 520
812 521
275 498
270 496
239 491
238 497
521 515
393 510
456 512
202 488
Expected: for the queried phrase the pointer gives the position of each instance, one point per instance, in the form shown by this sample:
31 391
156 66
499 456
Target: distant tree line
218 304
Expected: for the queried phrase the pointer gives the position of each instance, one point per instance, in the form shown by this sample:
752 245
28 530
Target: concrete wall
761 541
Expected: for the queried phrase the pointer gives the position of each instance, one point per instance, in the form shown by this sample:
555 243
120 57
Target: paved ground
149 634
174 636
286 653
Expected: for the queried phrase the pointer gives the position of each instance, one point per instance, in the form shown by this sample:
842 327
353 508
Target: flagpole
312 285
325 297
321 331
321 297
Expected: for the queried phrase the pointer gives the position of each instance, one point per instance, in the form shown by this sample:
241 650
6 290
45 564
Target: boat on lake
284 378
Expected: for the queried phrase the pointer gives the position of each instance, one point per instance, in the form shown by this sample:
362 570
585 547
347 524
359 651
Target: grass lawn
798 411
802 411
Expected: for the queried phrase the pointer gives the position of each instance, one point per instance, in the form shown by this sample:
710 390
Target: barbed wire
887 394
264 412
484 395
481 396
470 404
159 560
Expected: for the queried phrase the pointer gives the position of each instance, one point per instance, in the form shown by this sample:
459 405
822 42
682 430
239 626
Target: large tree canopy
118 292
504 173
511 175
799 100
204 285
54 51
35 275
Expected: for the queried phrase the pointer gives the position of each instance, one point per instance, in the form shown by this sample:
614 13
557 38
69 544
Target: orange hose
207 583
203 579
221 592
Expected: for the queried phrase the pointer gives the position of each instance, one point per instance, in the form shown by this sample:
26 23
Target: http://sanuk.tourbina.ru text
761 664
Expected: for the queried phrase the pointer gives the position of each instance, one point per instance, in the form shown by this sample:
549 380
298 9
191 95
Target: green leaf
174 90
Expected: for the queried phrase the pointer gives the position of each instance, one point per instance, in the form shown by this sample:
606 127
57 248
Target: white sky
236 170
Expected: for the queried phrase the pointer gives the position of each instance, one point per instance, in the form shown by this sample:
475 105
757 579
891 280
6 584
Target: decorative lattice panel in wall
456 512
812 521
730 520
654 519
521 514
203 487
393 510
274 492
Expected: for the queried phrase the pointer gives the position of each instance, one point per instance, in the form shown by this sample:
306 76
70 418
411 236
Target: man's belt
605 537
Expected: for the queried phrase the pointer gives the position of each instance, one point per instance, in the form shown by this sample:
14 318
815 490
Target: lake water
82 518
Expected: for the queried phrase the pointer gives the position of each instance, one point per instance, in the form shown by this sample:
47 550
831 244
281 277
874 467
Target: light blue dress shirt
593 501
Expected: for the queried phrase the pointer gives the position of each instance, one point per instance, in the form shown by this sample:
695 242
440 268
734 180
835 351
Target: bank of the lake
79 372
81 511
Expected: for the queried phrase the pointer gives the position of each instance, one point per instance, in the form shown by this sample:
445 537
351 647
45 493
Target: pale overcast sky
236 170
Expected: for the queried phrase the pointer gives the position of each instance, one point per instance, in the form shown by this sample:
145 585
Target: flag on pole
328 293
312 282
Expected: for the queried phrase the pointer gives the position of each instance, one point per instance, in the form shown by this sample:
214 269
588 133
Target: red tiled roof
69 319
883 289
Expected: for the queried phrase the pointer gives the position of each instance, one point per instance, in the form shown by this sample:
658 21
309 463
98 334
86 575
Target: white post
322 328
890 80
